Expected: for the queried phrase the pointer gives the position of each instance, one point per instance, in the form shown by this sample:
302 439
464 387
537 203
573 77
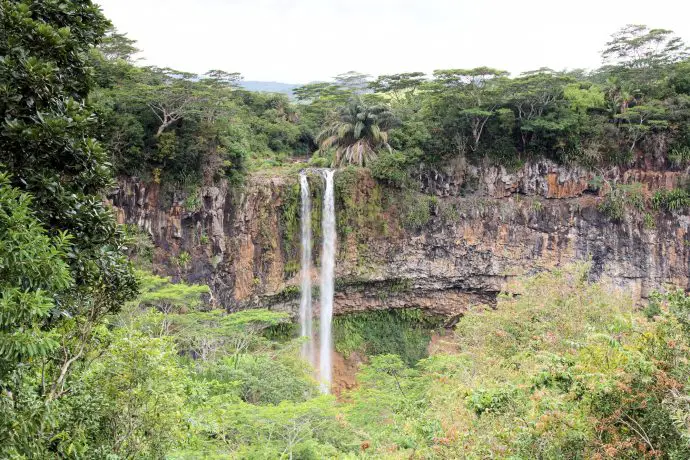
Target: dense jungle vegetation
173 126
100 358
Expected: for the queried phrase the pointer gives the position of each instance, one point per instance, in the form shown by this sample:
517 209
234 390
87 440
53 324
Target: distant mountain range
269 87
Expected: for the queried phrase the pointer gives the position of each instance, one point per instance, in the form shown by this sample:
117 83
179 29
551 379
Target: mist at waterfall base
326 278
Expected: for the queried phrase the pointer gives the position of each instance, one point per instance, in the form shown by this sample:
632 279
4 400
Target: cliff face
458 244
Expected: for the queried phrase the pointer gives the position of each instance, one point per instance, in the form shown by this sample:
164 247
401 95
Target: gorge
459 264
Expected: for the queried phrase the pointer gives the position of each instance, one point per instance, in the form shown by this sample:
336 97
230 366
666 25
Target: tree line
166 123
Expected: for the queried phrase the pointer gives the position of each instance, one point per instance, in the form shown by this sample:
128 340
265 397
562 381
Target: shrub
680 157
404 332
319 162
494 400
416 210
671 200
621 200
390 168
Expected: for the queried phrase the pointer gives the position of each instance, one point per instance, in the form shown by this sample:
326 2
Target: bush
267 380
621 200
404 332
680 157
390 168
319 162
416 211
321 159
671 200
494 400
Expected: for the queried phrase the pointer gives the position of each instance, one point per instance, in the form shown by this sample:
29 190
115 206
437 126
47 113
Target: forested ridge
102 358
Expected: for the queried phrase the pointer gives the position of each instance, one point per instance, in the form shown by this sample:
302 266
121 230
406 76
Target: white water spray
327 274
305 309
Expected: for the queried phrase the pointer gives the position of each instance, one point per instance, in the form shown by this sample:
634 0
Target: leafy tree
359 133
641 57
402 85
208 334
166 297
141 390
353 82
78 272
32 272
287 430
117 46
169 94
313 92
533 97
47 144
637 46
642 119
475 93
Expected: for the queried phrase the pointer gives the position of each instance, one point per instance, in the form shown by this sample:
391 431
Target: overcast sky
298 41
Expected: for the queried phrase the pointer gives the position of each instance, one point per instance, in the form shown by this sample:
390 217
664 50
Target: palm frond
358 133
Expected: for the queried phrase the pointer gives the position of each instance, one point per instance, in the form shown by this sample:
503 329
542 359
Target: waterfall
327 274
305 310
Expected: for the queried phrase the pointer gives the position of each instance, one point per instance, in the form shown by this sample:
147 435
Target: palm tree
358 133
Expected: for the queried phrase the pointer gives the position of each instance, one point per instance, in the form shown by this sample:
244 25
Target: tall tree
401 85
352 81
169 94
477 93
47 145
534 98
637 46
640 57
359 133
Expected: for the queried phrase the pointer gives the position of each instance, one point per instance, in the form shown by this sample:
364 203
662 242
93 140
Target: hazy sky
297 41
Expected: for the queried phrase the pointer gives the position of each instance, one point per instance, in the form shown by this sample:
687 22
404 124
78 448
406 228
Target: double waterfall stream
326 278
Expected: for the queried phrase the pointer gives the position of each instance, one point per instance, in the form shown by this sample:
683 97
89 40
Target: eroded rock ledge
506 224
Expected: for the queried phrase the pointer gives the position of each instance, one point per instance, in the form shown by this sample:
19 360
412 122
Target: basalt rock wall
478 227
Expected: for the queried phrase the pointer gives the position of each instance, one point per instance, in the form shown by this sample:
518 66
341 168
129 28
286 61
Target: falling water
305 311
326 291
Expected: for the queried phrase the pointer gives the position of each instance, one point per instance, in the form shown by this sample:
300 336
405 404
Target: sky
300 41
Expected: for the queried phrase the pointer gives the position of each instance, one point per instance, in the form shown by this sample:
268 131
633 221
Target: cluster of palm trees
358 133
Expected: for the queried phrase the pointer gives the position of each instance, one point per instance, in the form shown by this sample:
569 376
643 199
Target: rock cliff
455 242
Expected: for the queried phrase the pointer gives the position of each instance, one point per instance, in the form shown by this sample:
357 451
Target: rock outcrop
484 226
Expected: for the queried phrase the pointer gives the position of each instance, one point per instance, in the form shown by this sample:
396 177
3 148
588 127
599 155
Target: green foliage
417 210
680 157
358 134
359 205
390 168
141 389
175 125
405 333
621 200
290 228
491 400
32 273
636 46
298 430
565 369
288 293
561 368
182 260
263 379
671 200
160 292
140 246
63 264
